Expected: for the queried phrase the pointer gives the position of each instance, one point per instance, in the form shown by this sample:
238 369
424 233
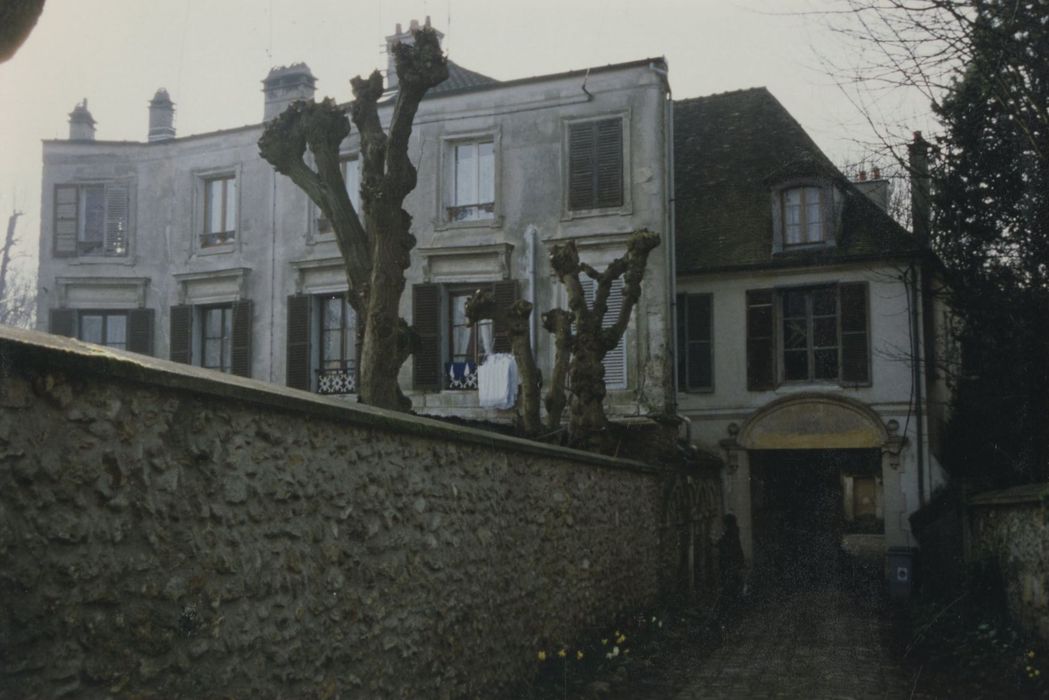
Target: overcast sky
212 54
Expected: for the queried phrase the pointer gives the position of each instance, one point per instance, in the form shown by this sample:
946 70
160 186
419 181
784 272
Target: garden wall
167 531
1010 529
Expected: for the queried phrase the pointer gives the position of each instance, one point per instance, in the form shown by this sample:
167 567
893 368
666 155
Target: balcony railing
472 212
460 375
337 380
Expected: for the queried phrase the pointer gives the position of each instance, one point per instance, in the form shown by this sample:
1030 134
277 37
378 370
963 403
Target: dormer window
806 213
803 216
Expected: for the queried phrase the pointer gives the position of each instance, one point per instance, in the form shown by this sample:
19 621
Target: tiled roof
729 149
460 78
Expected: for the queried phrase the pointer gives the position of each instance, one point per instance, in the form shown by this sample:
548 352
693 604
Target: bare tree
375 247
17 300
580 340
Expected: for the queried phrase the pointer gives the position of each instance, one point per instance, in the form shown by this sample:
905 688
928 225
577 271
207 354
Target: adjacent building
194 248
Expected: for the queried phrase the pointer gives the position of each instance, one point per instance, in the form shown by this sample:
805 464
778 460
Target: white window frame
830 204
199 227
446 191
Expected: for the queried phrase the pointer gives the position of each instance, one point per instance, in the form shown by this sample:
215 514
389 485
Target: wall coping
1028 494
52 352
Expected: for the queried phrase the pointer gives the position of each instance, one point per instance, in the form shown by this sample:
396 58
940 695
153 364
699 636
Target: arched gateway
805 473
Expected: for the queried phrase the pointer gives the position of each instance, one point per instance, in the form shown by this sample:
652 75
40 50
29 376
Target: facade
807 326
195 249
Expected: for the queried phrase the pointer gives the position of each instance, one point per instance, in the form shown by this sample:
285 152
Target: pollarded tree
375 243
581 341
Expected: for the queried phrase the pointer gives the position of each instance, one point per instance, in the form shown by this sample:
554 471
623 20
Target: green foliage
991 198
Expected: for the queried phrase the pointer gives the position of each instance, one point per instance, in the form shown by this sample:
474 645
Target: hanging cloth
497 381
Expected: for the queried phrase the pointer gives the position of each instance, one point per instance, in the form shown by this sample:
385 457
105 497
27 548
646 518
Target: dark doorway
799 511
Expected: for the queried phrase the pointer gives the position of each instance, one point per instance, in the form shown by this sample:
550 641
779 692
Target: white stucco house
194 248
807 329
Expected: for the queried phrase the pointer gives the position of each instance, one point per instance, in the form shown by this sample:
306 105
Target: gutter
912 282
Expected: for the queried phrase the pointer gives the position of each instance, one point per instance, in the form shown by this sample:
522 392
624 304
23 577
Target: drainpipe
912 282
531 237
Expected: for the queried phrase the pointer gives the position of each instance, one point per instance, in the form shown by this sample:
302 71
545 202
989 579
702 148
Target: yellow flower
542 655
604 642
579 655
562 654
1030 654
620 639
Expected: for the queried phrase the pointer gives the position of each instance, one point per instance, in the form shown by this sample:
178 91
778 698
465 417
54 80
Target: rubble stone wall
168 532
1011 529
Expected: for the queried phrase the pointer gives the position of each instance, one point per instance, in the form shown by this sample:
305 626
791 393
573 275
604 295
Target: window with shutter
695 365
240 341
505 292
297 363
109 328
63 322
181 336
337 351
426 319
761 359
615 361
595 164
92 220
140 331
220 211
855 342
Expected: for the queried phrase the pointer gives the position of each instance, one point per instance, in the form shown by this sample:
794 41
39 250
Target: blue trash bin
900 563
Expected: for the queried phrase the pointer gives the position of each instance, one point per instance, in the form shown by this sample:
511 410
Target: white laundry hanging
497 381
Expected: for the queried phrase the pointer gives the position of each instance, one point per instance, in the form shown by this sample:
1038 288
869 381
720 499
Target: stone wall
1010 530
167 532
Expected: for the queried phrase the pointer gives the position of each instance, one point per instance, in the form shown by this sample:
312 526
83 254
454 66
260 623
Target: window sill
97 259
622 210
495 223
217 249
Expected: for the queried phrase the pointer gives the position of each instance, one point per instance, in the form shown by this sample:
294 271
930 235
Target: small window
473 196
336 360
803 219
91 220
104 328
468 345
216 337
695 366
810 334
595 164
220 211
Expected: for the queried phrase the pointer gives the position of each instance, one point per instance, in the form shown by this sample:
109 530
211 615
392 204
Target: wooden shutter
761 348
609 157
855 341
181 340
240 357
615 361
63 322
66 210
297 371
140 331
426 318
505 293
695 342
116 232
582 140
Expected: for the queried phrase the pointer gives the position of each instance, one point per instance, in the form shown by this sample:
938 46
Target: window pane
794 304
91 328
795 334
825 332
699 366
231 204
826 362
212 353
460 329
465 174
333 313
213 323
331 348
94 204
699 317
796 364
825 302
486 173
116 330
349 342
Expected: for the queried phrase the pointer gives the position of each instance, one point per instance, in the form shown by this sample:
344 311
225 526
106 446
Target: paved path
808 644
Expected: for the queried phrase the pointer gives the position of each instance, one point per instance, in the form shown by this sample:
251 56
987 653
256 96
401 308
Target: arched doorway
806 473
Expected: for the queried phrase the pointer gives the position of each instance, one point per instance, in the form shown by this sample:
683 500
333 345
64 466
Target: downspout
918 379
531 237
671 257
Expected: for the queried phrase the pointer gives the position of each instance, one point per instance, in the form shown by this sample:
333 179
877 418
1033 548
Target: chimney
877 188
81 123
284 85
161 117
402 37
921 211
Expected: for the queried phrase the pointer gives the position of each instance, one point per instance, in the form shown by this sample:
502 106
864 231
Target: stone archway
803 421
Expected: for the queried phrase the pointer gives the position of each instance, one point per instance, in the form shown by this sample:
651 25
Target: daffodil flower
542 655
620 639
562 654
579 655
604 642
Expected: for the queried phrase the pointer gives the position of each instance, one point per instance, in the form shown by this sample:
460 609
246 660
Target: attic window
803 216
